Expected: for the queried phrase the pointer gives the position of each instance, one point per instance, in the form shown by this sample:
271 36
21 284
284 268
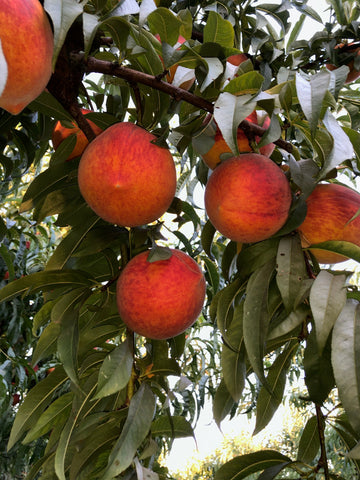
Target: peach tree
100 401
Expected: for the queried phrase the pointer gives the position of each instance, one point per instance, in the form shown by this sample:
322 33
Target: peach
247 198
160 299
354 74
213 157
27 43
61 132
237 59
125 178
330 208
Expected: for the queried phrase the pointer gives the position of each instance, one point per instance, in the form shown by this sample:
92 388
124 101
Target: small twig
138 102
76 113
322 463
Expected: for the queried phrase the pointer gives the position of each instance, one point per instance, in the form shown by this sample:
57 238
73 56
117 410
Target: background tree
107 409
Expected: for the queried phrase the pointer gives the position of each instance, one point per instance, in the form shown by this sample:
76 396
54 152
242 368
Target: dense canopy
197 83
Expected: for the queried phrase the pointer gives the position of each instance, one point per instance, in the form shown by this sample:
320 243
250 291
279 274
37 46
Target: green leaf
46 345
166 24
272 133
311 92
66 313
213 273
166 366
342 149
277 12
99 440
158 253
136 427
225 305
69 245
172 427
256 255
348 249
354 137
64 150
346 360
309 441
292 321
222 403
243 466
293 35
268 402
319 377
229 112
80 404
218 30
246 84
207 236
233 355
256 318
214 69
303 173
291 269
47 104
63 13
310 12
63 447
51 180
119 29
115 371
327 299
44 281
272 472
35 402
55 414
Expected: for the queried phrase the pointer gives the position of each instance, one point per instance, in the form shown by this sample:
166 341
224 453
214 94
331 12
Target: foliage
108 410
294 419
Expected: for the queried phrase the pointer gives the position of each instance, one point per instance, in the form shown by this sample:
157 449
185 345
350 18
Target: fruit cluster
129 180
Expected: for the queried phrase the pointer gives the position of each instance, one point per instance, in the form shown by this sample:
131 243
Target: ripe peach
160 299
27 43
247 198
330 208
354 74
213 157
125 178
237 59
60 133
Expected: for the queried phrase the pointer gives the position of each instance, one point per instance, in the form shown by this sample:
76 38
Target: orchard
179 227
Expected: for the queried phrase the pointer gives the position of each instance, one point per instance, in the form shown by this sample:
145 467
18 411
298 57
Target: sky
208 435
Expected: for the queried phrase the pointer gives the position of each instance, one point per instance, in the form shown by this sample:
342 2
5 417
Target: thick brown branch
92 64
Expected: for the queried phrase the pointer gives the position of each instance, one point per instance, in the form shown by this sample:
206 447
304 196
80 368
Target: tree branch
92 64
322 463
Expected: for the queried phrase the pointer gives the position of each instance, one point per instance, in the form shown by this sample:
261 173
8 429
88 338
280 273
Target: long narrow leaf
136 427
35 403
